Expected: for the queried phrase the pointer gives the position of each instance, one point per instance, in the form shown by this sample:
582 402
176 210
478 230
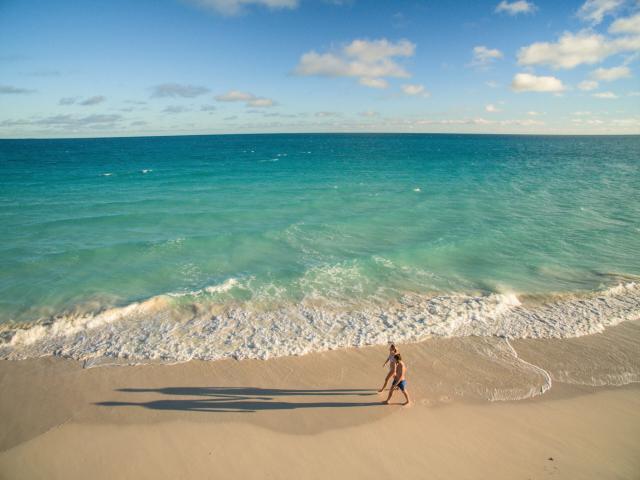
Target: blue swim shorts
402 385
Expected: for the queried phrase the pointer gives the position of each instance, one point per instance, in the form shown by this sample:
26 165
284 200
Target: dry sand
318 416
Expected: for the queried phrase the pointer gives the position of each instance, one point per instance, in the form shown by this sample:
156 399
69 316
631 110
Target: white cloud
526 82
234 7
369 61
466 121
234 96
589 121
492 84
605 95
369 114
572 50
373 82
588 85
514 8
56 121
379 50
331 65
533 113
491 108
611 74
634 94
626 122
594 11
581 114
414 90
626 25
484 56
249 99
260 102
526 122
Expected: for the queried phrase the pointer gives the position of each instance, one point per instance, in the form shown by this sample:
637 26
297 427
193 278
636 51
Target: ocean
256 246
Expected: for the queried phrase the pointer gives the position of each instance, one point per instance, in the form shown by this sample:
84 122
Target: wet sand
318 415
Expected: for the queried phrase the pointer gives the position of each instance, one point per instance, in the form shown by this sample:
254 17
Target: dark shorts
402 385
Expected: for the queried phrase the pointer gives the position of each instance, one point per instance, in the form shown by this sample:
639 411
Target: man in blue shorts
399 380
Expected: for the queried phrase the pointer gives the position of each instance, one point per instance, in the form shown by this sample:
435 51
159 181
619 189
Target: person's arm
385 362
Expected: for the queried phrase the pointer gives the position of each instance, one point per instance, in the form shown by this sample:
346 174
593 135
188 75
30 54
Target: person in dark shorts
399 381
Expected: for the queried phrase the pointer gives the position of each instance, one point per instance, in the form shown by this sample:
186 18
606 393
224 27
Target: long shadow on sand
240 399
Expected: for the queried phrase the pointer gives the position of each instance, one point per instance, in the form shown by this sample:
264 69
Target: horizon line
161 135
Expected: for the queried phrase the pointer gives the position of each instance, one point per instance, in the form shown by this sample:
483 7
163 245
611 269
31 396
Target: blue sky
85 69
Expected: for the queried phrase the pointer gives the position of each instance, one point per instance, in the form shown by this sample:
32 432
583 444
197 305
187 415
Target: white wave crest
223 287
163 328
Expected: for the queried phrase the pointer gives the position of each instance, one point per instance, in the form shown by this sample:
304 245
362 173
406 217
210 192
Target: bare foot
381 390
407 404
386 402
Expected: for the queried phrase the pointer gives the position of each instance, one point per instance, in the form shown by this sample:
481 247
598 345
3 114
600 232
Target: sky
172 67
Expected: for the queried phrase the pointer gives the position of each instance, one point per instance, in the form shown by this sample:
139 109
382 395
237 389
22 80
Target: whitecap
223 287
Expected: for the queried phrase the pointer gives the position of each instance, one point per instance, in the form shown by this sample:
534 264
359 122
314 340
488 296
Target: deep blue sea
261 245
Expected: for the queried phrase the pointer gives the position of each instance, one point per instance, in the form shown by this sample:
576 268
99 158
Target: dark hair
394 347
398 357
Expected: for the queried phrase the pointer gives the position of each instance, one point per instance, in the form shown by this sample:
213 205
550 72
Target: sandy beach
220 217
318 415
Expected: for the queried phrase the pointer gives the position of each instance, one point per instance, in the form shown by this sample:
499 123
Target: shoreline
170 329
285 417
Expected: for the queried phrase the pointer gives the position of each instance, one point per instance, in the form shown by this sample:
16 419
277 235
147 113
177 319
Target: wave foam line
171 329
548 383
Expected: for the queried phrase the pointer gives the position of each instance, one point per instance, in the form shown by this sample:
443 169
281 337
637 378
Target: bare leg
393 387
386 380
406 396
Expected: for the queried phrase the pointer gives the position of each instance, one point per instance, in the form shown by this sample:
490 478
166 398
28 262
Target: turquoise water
346 220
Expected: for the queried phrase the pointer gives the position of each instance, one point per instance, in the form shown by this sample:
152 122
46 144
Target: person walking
392 365
399 381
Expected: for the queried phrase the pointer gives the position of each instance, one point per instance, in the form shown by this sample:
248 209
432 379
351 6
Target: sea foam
195 326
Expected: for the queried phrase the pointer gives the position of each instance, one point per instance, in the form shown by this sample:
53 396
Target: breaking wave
198 325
